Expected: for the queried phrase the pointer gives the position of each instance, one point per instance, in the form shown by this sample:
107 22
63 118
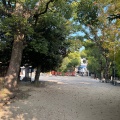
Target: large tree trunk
37 82
37 75
101 71
106 71
14 65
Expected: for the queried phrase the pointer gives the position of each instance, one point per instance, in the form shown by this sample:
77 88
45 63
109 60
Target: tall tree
48 42
18 15
96 27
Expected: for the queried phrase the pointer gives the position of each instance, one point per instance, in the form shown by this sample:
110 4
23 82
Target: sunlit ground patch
4 93
56 81
84 83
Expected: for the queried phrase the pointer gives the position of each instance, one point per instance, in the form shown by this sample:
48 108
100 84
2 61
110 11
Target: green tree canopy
70 62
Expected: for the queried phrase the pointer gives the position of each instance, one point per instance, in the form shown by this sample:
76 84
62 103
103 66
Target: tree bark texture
37 75
106 71
15 62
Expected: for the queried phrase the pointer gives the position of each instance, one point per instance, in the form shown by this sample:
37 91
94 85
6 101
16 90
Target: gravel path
66 98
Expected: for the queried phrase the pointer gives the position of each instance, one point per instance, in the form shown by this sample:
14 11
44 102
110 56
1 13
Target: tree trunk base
26 79
40 83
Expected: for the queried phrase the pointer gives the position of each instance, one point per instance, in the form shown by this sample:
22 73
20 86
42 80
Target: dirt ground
65 98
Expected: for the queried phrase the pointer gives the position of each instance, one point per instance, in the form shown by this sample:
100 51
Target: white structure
83 67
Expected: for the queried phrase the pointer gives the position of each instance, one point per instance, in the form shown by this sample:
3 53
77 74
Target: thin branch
9 3
47 4
36 16
112 17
